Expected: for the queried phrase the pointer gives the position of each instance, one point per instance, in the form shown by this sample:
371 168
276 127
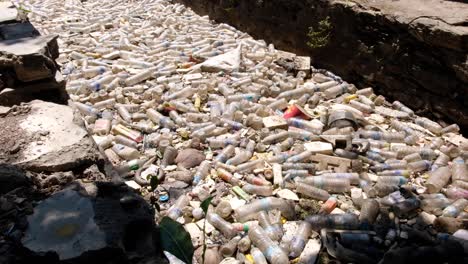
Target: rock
31 58
116 219
4 110
58 178
8 12
189 158
185 176
12 177
66 146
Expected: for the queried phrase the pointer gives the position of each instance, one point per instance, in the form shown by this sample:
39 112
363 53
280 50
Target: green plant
176 240
320 36
22 12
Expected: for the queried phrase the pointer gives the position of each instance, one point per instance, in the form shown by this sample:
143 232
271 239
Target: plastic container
333 221
438 179
405 207
435 205
230 248
248 211
429 125
352 177
312 192
227 152
459 169
126 152
227 176
369 211
300 239
175 211
258 256
418 166
202 171
455 208
270 250
226 228
257 180
333 185
102 127
258 189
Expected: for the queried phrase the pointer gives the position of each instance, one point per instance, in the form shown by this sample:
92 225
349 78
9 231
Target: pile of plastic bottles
295 158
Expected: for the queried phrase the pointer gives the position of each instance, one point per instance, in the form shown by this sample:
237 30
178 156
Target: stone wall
415 56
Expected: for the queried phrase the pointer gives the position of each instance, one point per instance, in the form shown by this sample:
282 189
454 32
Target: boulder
11 177
80 224
30 58
55 142
189 158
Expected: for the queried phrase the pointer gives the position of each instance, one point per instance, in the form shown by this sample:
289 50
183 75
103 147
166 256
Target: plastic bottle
405 173
453 128
412 157
270 250
441 161
221 143
159 119
335 91
126 152
241 157
312 192
295 173
298 166
227 152
125 141
228 249
249 166
455 208
244 244
460 184
429 125
258 256
202 171
102 127
257 180
369 211
392 180
399 106
227 176
248 211
393 166
314 127
435 205
406 206
300 239
333 185
300 157
170 153
438 179
175 211
258 190
272 231
459 169
352 177
226 228
333 221
421 165
453 192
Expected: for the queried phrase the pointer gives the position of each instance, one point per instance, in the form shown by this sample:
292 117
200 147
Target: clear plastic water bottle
270 250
